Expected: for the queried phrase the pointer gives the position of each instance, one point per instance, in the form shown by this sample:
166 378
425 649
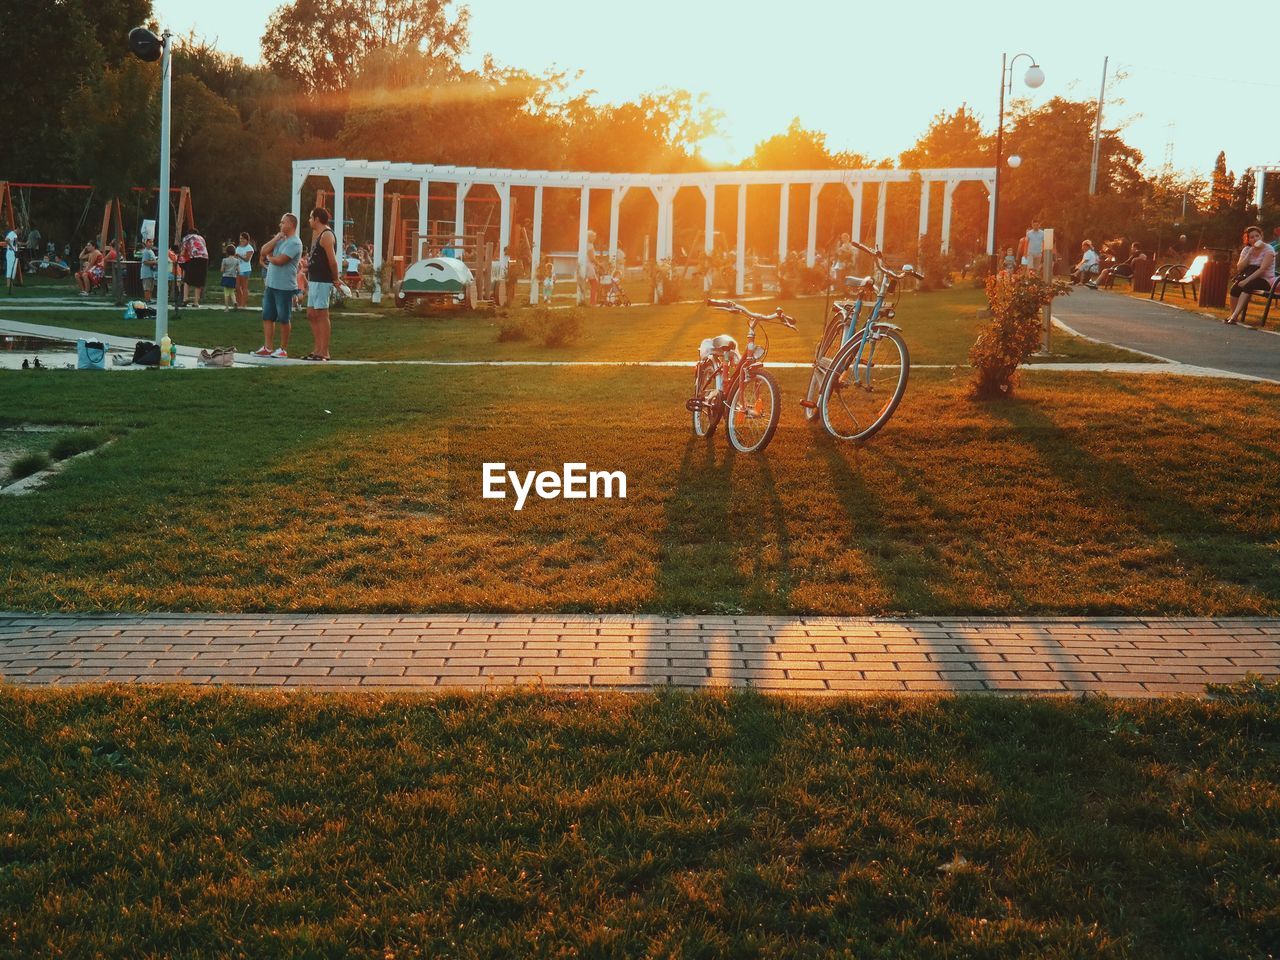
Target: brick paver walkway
1118 656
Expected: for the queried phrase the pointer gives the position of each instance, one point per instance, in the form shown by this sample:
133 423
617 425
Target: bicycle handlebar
879 258
776 317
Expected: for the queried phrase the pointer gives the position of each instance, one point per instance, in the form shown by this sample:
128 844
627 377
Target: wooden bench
1268 297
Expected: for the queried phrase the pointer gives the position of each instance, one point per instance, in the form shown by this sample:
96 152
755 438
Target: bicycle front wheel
860 394
826 351
754 409
705 417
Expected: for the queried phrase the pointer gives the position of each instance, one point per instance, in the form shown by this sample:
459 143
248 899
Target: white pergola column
584 214
855 188
948 191
811 249
660 230
339 197
504 228
535 244
376 297
460 215
742 239
1260 188
615 217
671 222
880 205
784 211
924 206
709 224
991 216
299 178
424 190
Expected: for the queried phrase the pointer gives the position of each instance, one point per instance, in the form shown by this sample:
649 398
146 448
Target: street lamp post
147 46
1034 77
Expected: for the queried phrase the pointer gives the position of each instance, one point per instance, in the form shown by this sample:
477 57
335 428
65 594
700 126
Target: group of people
1255 267
282 259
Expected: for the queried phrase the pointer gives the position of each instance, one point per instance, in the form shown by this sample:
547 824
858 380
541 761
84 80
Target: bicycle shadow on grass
726 550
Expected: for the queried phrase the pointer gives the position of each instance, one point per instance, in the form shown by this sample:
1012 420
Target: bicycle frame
862 364
746 362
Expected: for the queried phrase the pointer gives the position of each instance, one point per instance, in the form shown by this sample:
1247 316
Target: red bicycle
735 387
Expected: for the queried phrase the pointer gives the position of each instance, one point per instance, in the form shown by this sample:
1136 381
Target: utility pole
1097 132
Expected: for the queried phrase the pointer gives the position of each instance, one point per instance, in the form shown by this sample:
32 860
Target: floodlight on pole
1033 78
1014 161
148 47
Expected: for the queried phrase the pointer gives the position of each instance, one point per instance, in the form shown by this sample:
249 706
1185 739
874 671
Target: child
548 273
1009 261
230 271
300 296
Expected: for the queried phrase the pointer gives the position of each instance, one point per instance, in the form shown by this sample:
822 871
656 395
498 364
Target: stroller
614 295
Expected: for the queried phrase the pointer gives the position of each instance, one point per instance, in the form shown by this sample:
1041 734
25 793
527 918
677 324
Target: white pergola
664 188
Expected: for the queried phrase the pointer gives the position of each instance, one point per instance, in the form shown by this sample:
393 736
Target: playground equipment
441 280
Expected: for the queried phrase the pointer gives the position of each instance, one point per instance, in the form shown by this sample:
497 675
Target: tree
799 148
322 43
112 124
1222 185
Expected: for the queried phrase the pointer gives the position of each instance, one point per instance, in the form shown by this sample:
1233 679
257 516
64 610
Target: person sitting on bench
1087 269
91 275
1120 269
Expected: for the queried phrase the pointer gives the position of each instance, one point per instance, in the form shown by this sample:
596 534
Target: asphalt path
1179 335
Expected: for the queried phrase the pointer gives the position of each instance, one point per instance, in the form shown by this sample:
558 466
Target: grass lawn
939 328
143 823
359 489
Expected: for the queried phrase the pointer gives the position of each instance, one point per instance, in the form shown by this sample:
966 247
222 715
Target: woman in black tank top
319 270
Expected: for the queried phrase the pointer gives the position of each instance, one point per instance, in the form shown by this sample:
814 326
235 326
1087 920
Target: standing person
230 274
1031 253
1255 272
196 271
279 256
10 257
148 270
322 274
244 253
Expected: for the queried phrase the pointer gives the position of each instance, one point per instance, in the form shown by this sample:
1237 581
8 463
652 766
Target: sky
870 76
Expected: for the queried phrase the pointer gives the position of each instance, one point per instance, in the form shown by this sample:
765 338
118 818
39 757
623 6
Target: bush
1014 331
555 328
26 466
75 443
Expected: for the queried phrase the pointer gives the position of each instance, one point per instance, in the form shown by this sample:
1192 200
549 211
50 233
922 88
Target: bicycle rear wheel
754 409
859 396
826 351
705 418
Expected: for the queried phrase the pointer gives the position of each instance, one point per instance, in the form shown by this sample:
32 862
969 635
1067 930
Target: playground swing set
112 222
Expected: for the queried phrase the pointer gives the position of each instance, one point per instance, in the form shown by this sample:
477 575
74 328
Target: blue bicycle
860 375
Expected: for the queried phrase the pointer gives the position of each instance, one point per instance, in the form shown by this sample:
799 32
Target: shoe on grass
263 351
280 353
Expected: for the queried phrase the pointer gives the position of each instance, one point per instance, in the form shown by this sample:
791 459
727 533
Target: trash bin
132 279
1142 270
1214 281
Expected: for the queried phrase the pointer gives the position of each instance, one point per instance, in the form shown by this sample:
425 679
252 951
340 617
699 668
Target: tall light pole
1034 77
1097 131
147 46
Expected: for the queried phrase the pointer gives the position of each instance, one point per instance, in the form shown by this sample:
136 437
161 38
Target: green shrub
511 327
26 466
75 443
555 328
1014 331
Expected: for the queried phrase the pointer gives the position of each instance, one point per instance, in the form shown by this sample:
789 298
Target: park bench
1269 296
1180 274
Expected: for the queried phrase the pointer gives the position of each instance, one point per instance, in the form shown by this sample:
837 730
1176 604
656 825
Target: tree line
383 79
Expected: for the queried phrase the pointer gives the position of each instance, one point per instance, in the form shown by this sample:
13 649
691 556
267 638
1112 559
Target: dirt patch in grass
146 823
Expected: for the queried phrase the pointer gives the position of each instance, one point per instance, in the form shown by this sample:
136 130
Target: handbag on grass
146 353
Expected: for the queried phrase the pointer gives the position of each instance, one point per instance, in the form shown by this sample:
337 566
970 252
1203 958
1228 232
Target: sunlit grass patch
359 489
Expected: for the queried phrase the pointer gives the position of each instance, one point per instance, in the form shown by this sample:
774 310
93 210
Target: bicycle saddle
721 344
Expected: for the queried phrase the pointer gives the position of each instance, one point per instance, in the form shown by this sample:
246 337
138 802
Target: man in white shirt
1087 269
11 256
